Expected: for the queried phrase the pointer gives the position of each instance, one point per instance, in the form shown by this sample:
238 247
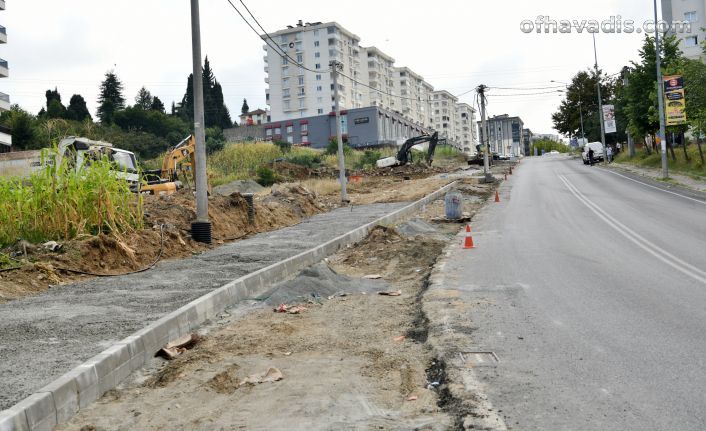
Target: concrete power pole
600 101
201 227
484 134
335 65
660 101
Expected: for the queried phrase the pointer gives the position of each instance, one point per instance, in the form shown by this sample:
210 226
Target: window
318 77
268 132
332 53
302 103
319 88
287 106
301 91
301 79
305 139
283 39
300 58
332 30
319 99
285 82
690 17
691 41
316 33
278 131
290 139
305 127
321 111
290 129
285 71
285 60
316 43
285 92
318 65
331 42
298 46
318 54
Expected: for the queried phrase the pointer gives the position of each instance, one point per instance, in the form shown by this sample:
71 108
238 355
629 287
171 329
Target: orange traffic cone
497 196
468 243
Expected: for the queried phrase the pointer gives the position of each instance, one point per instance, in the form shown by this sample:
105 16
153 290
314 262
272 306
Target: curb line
61 399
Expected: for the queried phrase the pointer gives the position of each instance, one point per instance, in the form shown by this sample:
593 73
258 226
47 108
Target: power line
526 88
523 94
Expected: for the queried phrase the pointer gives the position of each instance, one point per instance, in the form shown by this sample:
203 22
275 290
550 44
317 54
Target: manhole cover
479 359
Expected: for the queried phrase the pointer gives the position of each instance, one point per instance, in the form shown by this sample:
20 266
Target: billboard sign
609 125
674 100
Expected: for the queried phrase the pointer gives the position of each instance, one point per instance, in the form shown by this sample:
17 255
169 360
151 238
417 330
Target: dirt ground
285 205
348 362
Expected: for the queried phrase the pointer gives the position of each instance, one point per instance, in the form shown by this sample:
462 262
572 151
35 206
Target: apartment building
377 69
415 96
465 128
692 12
293 91
505 134
443 115
5 136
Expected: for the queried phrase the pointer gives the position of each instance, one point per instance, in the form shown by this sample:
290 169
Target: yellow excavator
177 170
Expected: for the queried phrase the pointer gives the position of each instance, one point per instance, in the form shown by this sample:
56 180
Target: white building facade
443 114
692 14
414 101
465 128
5 136
378 68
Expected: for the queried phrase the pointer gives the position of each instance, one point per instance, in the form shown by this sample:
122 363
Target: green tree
77 110
144 99
245 109
55 109
215 112
157 105
640 93
581 98
111 97
23 127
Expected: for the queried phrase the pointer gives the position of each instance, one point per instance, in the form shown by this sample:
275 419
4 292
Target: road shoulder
677 182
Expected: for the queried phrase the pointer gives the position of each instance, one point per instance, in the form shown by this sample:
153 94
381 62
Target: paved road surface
591 289
44 336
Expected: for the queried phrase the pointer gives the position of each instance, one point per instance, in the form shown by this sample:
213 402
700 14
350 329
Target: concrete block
40 411
13 419
87 381
64 391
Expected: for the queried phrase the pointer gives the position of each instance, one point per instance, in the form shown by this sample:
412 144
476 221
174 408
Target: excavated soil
346 359
169 217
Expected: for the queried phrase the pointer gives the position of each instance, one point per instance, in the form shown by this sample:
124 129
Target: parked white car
598 152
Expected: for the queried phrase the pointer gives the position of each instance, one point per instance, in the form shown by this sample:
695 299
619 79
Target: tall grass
57 203
692 167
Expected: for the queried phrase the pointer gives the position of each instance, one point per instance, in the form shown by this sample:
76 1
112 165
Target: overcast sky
455 45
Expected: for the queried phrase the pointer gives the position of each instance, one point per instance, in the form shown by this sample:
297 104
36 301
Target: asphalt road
591 289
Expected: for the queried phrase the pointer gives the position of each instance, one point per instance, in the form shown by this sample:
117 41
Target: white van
597 152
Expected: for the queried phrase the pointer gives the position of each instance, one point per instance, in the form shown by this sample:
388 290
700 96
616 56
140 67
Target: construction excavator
177 170
404 155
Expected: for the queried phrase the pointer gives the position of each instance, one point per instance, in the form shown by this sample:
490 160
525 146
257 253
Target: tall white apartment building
295 92
414 102
5 137
691 13
465 127
377 69
443 107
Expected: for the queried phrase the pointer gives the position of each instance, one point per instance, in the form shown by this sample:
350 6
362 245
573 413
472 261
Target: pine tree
77 109
245 109
111 97
216 114
55 109
143 99
157 105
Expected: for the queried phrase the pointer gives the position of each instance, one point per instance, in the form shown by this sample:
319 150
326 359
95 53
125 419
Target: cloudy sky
455 45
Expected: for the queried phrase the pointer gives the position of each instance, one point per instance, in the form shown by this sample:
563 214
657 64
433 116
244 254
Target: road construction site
340 346
47 334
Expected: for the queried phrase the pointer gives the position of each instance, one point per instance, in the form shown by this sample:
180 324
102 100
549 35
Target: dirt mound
291 172
167 228
317 283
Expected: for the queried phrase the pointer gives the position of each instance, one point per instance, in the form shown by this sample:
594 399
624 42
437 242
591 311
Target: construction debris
177 347
271 375
391 293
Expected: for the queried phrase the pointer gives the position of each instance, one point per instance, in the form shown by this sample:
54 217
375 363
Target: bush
332 147
265 176
285 147
368 159
306 160
56 203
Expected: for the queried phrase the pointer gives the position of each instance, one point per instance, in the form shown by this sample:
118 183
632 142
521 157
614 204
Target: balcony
5 136
267 79
3 34
4 70
4 102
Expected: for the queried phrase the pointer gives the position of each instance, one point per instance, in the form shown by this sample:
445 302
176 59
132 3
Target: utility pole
600 102
660 101
201 227
583 135
486 164
335 65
